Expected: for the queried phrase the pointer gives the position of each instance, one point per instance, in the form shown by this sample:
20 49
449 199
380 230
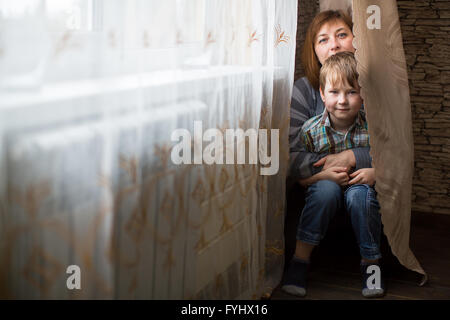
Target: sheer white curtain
90 94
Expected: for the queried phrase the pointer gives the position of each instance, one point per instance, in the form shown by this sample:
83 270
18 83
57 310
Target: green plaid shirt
319 137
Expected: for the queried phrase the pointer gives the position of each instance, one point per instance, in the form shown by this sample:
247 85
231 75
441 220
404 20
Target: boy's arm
335 173
363 176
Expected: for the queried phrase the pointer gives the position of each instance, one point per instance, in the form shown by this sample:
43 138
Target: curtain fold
86 165
384 82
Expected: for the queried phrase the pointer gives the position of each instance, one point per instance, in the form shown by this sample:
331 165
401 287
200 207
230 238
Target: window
69 14
61 14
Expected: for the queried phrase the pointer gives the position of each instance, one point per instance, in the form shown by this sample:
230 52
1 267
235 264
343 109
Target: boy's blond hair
338 69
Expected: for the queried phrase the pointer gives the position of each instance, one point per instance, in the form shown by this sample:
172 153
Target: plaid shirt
318 136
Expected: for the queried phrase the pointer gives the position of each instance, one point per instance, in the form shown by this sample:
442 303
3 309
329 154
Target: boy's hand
343 159
336 174
363 176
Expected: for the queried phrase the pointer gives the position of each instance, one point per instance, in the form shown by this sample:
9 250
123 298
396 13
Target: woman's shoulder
303 90
304 85
304 95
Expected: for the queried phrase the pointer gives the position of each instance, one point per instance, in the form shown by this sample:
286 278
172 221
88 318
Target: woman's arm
303 107
362 158
357 158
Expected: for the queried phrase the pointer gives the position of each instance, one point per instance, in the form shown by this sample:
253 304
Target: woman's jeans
325 198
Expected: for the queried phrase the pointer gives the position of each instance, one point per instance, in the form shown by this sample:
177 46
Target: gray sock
371 292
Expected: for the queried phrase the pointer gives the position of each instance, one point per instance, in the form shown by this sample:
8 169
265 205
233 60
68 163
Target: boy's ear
321 94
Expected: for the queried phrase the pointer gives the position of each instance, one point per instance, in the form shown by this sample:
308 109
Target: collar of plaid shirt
359 121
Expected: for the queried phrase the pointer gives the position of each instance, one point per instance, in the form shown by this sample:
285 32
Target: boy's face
341 100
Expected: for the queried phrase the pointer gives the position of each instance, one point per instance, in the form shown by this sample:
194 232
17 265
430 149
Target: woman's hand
336 174
363 176
343 159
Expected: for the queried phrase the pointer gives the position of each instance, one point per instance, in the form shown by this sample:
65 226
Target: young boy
342 126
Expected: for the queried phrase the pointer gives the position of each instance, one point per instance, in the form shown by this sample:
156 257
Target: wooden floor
335 274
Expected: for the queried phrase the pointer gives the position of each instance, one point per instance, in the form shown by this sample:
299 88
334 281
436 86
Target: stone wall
307 9
425 28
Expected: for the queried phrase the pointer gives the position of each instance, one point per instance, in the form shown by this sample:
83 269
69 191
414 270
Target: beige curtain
384 81
345 5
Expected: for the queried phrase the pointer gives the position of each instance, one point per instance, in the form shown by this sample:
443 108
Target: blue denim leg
323 200
362 206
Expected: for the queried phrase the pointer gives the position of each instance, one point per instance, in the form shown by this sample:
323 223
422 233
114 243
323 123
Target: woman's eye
322 40
342 35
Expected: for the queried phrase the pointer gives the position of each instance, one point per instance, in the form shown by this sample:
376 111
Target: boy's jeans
325 198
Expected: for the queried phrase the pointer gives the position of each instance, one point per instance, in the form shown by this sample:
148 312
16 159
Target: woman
330 32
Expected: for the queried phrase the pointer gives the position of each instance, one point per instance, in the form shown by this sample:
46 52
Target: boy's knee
326 190
356 194
361 200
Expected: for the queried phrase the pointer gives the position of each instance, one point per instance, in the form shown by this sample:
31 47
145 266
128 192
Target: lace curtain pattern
90 93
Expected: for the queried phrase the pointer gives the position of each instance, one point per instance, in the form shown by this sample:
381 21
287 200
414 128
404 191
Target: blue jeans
324 198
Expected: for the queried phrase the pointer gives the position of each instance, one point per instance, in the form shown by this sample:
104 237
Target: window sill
157 80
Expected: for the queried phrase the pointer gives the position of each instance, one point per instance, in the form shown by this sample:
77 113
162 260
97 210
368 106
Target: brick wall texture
425 28
307 9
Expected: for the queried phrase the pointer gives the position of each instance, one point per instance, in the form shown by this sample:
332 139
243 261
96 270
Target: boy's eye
333 91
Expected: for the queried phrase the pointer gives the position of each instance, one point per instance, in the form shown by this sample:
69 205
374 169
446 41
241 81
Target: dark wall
307 9
426 38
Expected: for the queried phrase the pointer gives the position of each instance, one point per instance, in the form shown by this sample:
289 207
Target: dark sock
375 292
295 279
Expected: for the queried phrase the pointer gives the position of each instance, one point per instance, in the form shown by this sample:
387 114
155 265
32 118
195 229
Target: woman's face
333 37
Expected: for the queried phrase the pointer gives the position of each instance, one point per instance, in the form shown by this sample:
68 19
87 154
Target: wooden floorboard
335 273
326 284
